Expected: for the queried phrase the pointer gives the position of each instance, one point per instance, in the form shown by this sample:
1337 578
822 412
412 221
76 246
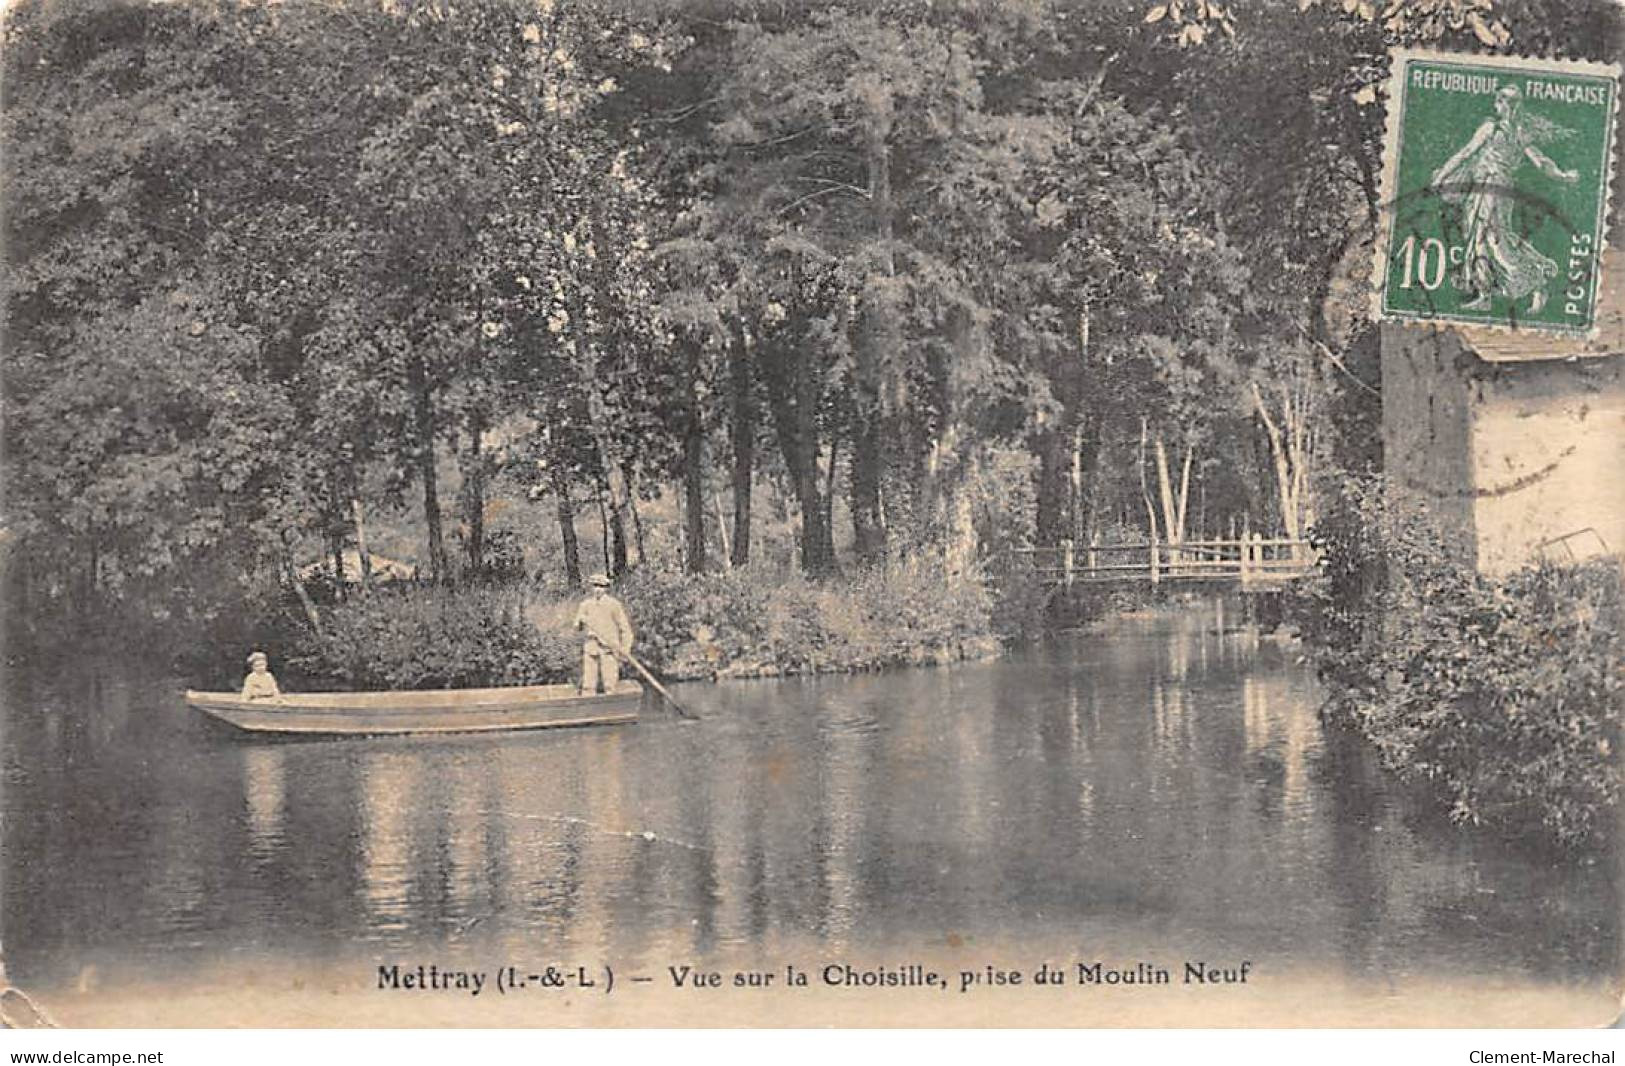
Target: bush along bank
738 623
414 636
745 623
1502 695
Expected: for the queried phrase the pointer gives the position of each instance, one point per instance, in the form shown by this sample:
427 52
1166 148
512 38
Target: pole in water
682 712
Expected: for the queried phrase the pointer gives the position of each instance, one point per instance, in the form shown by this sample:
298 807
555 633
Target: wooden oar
682 712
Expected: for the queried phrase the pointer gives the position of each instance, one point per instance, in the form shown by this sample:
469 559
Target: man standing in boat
609 636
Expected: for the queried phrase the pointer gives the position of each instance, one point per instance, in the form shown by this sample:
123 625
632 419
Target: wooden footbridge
1252 563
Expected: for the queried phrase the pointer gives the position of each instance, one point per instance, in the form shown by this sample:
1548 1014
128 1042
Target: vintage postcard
593 513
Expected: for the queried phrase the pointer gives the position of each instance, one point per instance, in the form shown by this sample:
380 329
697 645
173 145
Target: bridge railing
1248 560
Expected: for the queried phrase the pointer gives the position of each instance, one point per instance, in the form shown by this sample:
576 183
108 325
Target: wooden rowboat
468 710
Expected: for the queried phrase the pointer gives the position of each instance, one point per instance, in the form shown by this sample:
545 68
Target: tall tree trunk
1053 524
868 452
794 391
817 539
1067 451
948 462
92 574
830 470
619 499
799 446
742 434
1084 477
1285 481
1301 435
1185 489
363 557
1074 484
1098 462
618 492
1085 443
876 339
423 403
1172 500
567 530
693 471
722 532
1145 490
617 542
474 494
335 542
635 516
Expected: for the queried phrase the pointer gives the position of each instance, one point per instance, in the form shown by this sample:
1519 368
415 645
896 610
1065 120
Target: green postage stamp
1496 178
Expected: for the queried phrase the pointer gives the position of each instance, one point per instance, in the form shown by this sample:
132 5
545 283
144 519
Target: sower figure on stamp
1498 260
609 636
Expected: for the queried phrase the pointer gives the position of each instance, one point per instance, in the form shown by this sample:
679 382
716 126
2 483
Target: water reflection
388 780
1163 787
262 790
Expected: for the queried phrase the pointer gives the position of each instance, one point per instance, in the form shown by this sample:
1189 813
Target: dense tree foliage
274 270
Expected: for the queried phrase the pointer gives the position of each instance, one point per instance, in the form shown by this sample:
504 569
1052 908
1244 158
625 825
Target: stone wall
1426 428
1516 459
1548 455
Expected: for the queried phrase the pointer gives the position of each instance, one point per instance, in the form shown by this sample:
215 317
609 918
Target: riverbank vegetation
1502 696
740 623
365 331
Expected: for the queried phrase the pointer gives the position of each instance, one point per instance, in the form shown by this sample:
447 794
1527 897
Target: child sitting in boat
260 684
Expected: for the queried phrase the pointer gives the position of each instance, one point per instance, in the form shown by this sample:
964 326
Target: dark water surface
1154 792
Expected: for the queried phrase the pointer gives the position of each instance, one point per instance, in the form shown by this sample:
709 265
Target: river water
1143 796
